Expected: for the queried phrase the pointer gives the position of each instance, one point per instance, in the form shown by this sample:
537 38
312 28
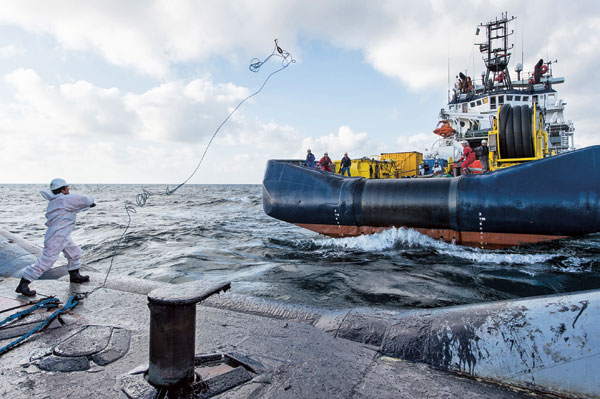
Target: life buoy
543 69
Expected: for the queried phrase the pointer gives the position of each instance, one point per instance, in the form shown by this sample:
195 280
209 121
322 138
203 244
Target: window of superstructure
478 102
509 98
517 98
500 99
493 100
525 98
472 104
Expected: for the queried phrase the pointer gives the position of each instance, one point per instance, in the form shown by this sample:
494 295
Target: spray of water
400 238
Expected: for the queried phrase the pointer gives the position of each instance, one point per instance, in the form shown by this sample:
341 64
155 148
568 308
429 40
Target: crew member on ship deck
484 155
345 165
325 163
310 159
467 158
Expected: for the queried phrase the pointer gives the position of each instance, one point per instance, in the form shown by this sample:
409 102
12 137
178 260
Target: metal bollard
173 331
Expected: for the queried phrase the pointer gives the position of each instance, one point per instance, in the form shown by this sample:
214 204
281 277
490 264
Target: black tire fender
517 132
502 129
510 135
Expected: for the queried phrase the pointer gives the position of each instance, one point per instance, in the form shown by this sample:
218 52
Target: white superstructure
474 102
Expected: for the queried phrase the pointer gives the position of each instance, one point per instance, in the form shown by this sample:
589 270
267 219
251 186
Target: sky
131 92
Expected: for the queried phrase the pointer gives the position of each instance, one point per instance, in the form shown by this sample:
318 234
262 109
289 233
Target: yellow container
369 168
389 166
406 163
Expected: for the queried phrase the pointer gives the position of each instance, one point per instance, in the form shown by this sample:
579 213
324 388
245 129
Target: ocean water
217 232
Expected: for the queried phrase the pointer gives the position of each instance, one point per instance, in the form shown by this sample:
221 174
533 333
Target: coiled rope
142 198
46 303
71 303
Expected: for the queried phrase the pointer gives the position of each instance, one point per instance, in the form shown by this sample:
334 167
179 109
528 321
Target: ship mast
496 51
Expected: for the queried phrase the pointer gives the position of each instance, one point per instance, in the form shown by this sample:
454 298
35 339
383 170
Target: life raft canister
445 130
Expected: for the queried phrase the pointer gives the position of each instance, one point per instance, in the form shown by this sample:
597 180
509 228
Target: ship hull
542 200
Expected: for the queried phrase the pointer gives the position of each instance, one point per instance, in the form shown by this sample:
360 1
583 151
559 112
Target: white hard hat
465 142
483 141
58 183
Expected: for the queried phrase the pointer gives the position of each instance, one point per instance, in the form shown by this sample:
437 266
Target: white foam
396 238
477 255
576 265
387 239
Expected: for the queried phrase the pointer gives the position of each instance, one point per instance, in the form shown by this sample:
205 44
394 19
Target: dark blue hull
536 201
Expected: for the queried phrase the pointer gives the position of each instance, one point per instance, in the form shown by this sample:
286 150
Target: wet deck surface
106 337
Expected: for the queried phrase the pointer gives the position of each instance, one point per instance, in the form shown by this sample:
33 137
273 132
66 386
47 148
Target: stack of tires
516 137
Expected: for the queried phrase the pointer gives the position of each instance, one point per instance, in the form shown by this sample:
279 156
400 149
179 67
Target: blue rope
71 303
48 303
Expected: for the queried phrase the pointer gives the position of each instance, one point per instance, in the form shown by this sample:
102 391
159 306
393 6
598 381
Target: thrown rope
142 198
254 67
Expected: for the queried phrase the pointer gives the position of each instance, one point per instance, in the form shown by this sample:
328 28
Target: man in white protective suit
60 220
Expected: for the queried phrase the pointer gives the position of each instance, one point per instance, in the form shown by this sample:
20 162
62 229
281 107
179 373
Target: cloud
93 133
413 42
150 37
416 142
171 111
336 143
185 112
11 50
170 120
70 109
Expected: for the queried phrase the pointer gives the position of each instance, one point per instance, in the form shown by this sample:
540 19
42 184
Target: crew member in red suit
468 157
325 163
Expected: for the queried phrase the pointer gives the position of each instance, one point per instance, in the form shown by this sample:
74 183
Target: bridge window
517 98
509 98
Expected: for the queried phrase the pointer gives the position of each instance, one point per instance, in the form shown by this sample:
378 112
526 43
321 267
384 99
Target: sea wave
400 238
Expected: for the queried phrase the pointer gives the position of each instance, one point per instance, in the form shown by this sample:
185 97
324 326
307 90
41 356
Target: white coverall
60 220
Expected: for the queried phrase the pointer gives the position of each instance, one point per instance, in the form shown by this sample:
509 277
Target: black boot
23 288
78 278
